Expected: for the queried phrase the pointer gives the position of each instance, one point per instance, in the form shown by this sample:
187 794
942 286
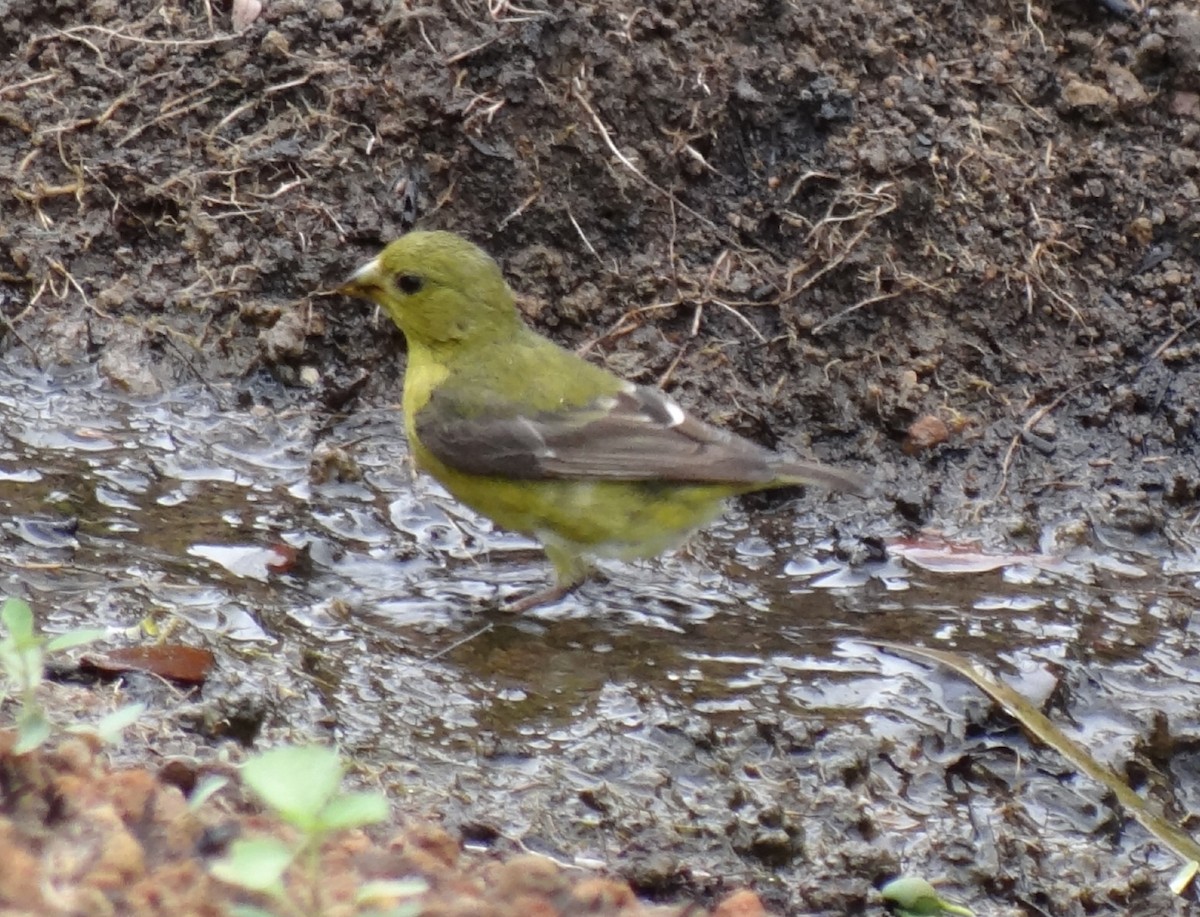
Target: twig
741 318
1033 25
57 265
885 204
670 370
1171 339
521 208
457 643
645 179
586 241
461 55
862 303
192 366
75 31
25 84
11 328
1029 424
165 116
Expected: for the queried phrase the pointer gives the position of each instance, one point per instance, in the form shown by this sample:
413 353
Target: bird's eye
409 283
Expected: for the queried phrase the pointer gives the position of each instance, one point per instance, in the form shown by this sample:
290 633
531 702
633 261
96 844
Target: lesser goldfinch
542 441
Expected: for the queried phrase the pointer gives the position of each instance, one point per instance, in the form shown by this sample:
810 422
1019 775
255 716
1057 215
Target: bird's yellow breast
423 374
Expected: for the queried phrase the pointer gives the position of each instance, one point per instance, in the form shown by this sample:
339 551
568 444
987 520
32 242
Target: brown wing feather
637 435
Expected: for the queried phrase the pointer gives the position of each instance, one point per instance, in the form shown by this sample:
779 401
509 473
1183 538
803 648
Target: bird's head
438 288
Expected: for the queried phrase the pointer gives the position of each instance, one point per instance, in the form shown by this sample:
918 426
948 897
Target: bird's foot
539 598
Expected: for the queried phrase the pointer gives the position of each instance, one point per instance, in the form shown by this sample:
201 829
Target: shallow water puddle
722 707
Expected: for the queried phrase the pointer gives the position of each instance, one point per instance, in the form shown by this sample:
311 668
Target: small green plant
22 660
301 785
910 896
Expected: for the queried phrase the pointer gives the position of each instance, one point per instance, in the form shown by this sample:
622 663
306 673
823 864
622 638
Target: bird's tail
791 472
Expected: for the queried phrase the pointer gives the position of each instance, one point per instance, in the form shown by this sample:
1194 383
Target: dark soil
954 245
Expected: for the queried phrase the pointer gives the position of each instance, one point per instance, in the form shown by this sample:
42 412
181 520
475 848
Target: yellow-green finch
538 439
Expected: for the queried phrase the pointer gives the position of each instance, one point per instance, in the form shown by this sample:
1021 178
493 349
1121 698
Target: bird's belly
601 518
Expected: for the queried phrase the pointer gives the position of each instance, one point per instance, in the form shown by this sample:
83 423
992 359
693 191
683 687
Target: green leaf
205 789
17 618
385 891
111 726
296 781
23 666
353 810
914 897
73 638
250 910
407 909
1185 877
256 864
33 729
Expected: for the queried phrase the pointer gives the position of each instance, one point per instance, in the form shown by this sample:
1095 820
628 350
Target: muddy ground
953 245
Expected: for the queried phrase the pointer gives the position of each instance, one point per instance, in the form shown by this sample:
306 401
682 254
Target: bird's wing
638 434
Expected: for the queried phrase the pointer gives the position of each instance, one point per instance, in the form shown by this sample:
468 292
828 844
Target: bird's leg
541 597
570 570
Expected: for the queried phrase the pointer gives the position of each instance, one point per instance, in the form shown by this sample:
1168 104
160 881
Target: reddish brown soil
77 837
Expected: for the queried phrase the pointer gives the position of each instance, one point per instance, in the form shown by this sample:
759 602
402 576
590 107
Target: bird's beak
363 281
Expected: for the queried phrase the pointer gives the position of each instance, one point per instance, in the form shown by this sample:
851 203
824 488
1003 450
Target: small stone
925 433
285 340
599 895
742 903
528 875
330 10
1047 428
76 755
274 44
433 840
1126 87
121 858
1087 97
126 368
332 463
133 794
1140 230
1184 104
104 10
244 13
20 872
